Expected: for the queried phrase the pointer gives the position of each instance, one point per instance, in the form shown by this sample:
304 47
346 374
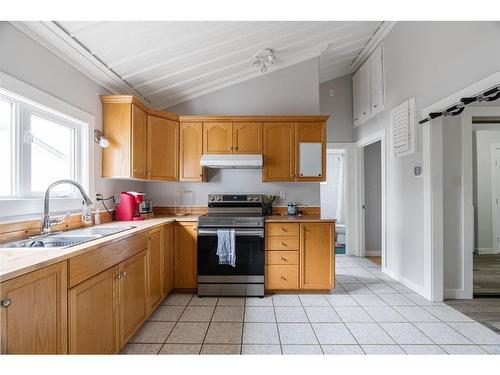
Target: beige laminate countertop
297 219
18 261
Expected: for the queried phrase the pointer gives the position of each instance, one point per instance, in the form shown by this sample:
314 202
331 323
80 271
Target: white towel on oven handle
226 246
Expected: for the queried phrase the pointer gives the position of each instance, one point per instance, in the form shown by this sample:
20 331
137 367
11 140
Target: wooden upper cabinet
191 150
162 149
278 151
35 322
93 315
310 151
247 138
317 260
217 138
133 296
186 274
139 142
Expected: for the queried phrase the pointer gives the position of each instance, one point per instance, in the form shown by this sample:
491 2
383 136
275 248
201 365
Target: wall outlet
282 195
332 92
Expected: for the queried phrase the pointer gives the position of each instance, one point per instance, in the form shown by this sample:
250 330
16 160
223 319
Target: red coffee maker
128 208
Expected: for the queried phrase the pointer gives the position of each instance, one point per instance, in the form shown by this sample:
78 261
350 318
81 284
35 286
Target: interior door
163 149
218 138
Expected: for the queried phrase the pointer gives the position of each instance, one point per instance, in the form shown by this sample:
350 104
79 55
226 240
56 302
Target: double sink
59 240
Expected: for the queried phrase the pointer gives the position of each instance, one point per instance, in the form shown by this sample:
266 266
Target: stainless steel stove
243 213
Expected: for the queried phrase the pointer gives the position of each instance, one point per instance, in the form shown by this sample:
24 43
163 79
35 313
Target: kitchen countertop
18 261
297 219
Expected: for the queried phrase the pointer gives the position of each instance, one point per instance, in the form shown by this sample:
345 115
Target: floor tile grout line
243 324
209 324
309 320
175 324
277 327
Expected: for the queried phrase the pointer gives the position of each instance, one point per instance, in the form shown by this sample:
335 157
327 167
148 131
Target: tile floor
367 313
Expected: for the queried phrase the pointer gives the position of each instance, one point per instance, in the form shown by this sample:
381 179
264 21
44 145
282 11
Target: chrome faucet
47 222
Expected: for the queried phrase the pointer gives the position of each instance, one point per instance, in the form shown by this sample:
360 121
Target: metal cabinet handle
284 229
5 303
124 273
283 278
374 106
283 244
118 275
283 259
364 113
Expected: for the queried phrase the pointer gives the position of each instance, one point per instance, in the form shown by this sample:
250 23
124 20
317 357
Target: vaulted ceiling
169 62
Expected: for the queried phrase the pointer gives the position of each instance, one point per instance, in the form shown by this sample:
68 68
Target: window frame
28 100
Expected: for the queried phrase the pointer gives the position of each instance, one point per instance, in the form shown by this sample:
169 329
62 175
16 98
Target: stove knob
212 199
219 199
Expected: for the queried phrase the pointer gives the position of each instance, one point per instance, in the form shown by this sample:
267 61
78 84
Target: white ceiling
170 62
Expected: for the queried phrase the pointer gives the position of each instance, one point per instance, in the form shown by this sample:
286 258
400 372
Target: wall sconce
262 58
100 139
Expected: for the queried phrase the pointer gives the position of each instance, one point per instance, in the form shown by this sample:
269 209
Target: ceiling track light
262 58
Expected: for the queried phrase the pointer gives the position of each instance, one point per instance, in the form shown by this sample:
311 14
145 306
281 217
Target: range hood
235 161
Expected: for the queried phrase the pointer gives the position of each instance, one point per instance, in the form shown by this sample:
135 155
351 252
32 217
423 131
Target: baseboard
483 251
456 294
373 253
410 284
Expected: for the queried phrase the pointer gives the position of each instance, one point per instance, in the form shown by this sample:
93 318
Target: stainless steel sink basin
66 239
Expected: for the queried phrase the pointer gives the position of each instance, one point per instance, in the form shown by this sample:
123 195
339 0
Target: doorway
486 201
372 204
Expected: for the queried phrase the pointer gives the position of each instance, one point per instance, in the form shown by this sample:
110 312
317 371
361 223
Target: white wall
339 107
428 61
30 62
373 198
293 90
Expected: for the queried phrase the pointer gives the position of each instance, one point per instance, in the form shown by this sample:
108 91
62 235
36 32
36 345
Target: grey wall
339 107
373 198
30 62
417 65
292 90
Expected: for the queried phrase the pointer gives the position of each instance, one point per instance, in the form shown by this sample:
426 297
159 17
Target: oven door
249 254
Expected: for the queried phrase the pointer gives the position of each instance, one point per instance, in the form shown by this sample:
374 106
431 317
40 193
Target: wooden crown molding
130 99
257 118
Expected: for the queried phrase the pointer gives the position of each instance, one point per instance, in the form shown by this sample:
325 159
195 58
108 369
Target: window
38 146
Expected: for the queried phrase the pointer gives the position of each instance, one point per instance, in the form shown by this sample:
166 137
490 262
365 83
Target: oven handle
238 232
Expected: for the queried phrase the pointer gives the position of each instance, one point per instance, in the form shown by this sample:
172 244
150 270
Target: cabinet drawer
282 257
282 277
83 267
282 229
282 243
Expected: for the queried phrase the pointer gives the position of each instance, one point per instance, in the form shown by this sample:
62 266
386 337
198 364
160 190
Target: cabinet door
377 80
35 322
279 151
316 256
217 138
364 91
133 301
163 149
247 138
186 274
93 315
155 267
311 151
355 97
139 141
168 245
191 150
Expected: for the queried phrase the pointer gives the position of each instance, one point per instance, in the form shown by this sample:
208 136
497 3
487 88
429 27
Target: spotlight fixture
262 58
100 139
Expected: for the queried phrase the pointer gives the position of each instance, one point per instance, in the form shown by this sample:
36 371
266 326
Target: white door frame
360 192
432 148
350 158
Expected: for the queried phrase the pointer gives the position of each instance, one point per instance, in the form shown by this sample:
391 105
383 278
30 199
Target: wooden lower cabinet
282 277
186 274
156 265
33 316
132 296
93 315
168 246
317 259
